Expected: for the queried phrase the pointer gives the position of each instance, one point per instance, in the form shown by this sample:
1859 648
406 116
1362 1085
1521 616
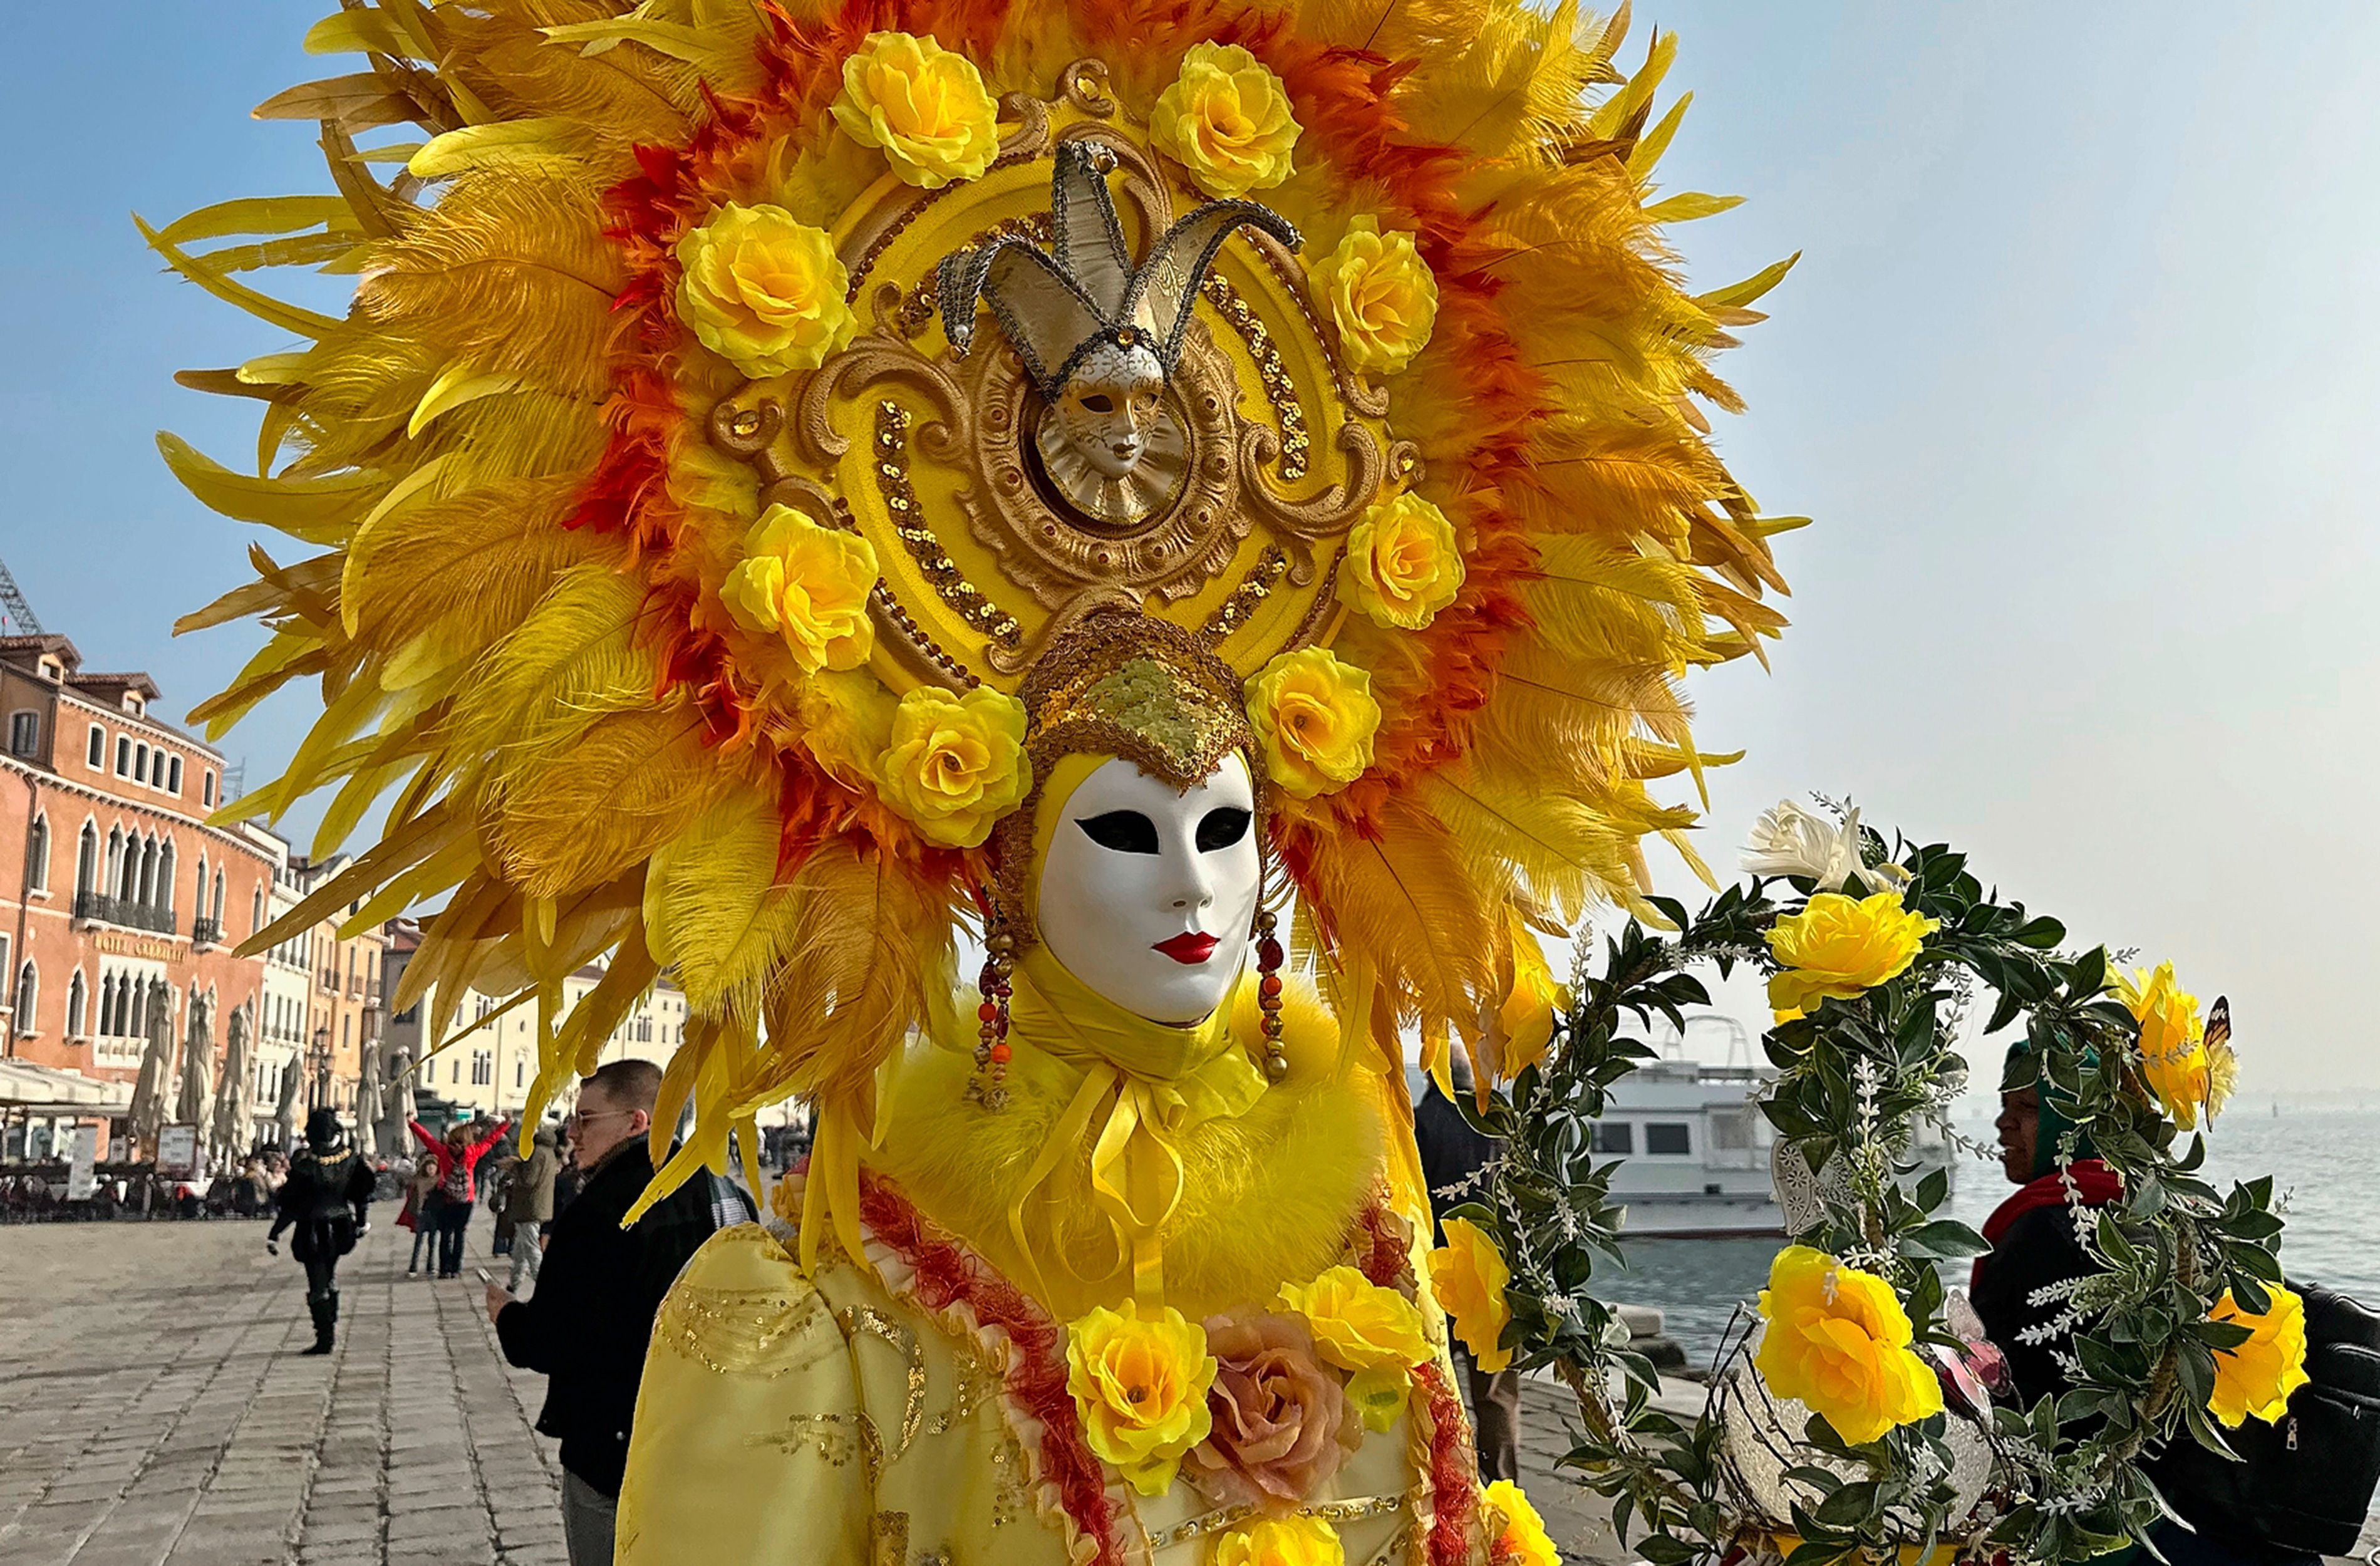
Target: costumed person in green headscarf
2036 1247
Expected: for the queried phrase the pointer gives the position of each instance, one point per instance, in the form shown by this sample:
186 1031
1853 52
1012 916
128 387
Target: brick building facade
115 896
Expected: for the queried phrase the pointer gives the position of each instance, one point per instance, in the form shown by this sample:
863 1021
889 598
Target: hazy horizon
2076 375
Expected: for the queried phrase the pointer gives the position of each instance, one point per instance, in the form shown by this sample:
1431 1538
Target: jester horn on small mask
1099 336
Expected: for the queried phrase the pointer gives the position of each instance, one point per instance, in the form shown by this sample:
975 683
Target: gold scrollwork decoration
1301 524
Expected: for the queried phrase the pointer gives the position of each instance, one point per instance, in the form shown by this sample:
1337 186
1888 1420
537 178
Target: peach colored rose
1282 1424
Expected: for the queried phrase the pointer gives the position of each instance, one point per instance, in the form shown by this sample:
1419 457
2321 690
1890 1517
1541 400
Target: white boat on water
1696 1148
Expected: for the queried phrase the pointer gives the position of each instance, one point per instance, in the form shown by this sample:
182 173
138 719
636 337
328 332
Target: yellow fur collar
1267 1197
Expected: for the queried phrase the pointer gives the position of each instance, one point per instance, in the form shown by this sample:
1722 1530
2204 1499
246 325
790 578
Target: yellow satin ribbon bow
1152 1083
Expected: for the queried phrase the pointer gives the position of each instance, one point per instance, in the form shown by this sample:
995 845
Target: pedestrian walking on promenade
457 1155
421 1200
529 1205
325 1199
588 1326
1453 1155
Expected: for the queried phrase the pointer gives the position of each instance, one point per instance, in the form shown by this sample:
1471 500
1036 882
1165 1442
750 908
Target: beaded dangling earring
1268 957
991 1086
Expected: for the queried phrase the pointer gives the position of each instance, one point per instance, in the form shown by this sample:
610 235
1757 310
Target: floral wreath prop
1874 958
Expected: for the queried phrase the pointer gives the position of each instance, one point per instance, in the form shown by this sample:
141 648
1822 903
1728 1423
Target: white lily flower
1791 841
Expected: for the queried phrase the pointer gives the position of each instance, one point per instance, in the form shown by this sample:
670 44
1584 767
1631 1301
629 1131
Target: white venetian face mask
1147 894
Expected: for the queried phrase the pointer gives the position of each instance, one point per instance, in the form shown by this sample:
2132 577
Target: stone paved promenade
154 1408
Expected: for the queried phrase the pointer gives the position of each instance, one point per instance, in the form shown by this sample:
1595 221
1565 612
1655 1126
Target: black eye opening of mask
1129 831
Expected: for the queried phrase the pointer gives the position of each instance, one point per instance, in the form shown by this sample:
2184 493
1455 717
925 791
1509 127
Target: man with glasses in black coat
598 1290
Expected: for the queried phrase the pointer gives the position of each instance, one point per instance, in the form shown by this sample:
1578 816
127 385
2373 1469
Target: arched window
207 790
140 761
29 999
256 911
165 875
217 915
87 860
174 775
37 855
199 896
77 996
110 995
115 861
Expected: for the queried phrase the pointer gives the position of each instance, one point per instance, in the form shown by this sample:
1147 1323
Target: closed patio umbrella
198 1077
232 1134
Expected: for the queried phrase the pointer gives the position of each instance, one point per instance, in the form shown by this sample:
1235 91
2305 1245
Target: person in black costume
1453 1155
325 1199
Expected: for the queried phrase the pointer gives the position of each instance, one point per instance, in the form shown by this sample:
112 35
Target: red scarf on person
2093 1180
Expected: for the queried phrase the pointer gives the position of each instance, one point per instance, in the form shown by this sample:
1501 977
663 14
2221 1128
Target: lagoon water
2325 1163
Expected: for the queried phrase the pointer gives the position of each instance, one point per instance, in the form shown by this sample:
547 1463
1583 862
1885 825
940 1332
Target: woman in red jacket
459 1156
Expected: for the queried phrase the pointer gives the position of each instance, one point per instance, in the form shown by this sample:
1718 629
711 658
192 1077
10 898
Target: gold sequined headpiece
1126 684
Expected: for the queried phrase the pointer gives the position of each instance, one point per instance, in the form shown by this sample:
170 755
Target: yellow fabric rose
1140 1384
1837 1340
809 584
1374 1333
1380 294
2173 1052
763 291
1402 564
1527 1017
954 764
1226 119
1281 1541
1516 1532
1837 948
923 105
1468 1275
2258 1377
1314 718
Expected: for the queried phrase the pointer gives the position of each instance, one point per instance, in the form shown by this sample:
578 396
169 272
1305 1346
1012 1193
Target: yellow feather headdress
670 574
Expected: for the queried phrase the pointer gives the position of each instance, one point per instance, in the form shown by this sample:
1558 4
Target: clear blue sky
2079 375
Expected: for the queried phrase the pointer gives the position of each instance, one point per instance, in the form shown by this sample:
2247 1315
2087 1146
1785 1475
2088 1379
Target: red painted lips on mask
1190 948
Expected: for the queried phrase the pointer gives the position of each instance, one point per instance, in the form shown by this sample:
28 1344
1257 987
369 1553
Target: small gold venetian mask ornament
1100 336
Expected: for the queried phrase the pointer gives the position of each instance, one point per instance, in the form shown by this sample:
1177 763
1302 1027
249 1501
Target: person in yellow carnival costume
1204 503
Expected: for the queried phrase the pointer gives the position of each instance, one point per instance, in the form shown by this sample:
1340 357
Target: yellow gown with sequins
858 1415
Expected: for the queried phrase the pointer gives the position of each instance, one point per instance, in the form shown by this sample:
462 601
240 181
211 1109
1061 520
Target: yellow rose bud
1402 564
811 585
1314 718
924 106
2174 1059
1360 1327
1468 1275
2258 1377
1226 119
1837 1340
954 764
1281 1541
764 292
1517 1531
1380 294
1525 1020
1836 947
1140 1384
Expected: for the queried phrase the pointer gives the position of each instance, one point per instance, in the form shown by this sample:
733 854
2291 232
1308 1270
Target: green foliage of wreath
1856 1075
